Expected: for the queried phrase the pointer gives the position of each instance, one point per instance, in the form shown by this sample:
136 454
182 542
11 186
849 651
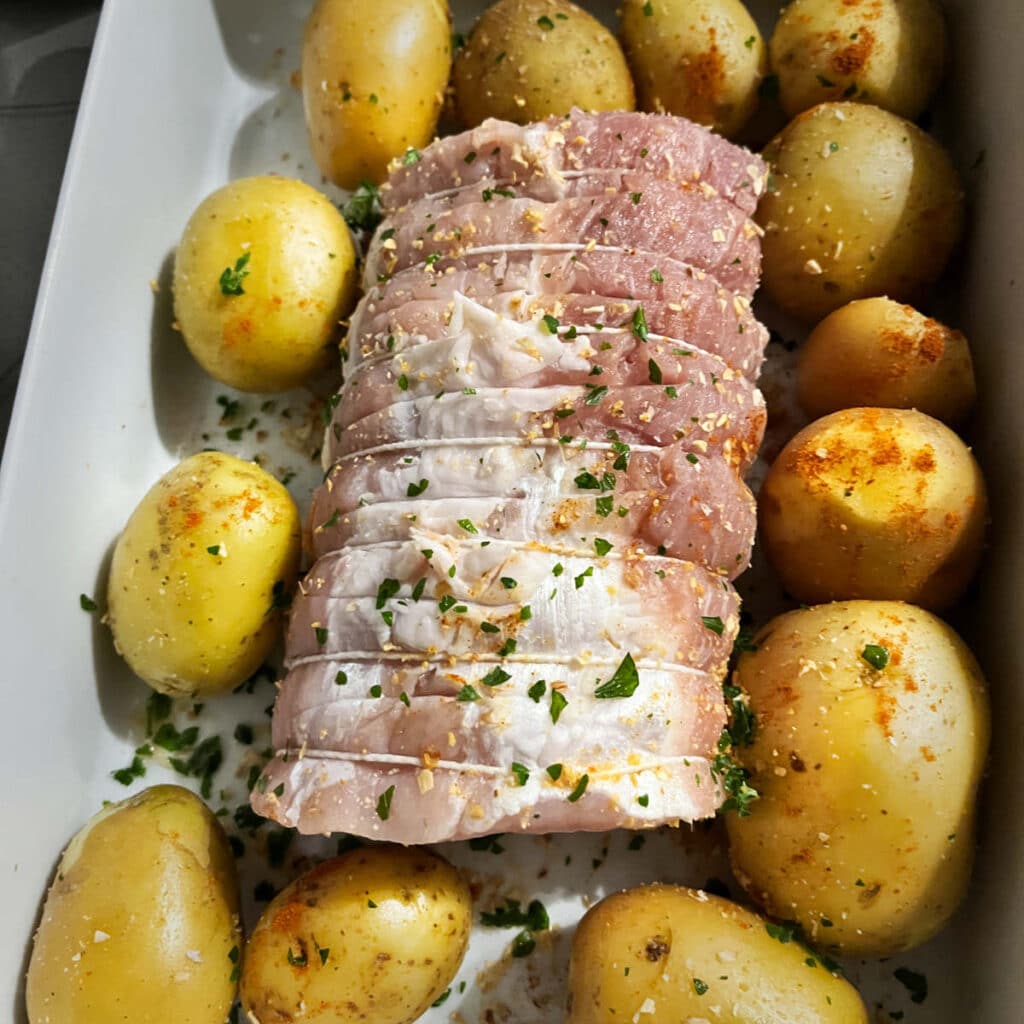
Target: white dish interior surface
183 97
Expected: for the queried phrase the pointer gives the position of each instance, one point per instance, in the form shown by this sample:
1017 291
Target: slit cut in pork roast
521 609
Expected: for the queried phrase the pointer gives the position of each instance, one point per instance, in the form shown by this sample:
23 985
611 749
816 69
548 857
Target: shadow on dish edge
174 408
121 694
252 37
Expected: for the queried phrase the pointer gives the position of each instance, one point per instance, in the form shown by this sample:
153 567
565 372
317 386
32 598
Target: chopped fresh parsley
521 773
579 789
87 604
714 623
167 737
558 705
623 682
785 932
387 590
495 677
511 915
876 656
231 278
639 323
586 481
384 803
363 211
742 723
733 778
126 776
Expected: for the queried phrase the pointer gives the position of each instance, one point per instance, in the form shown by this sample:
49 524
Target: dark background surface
44 52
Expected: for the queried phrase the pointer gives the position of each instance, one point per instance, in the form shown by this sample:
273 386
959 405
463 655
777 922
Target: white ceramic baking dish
180 98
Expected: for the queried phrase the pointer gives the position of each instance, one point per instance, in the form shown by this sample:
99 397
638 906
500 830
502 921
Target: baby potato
876 503
883 353
887 52
526 59
872 729
141 922
663 954
376 935
703 59
374 74
264 272
860 203
198 574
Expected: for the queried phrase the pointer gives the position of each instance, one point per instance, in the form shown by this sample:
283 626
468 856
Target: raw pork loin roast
521 610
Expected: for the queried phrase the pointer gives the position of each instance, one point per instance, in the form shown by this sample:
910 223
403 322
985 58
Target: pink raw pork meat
521 611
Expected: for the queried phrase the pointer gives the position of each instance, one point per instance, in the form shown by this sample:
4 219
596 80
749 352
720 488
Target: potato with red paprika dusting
874 503
887 52
374 935
526 59
883 353
264 272
703 59
200 573
872 726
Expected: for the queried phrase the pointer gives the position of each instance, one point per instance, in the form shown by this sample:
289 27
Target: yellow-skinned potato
141 923
374 935
874 503
526 59
883 353
198 572
859 203
703 59
872 729
887 52
264 272
663 954
374 74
